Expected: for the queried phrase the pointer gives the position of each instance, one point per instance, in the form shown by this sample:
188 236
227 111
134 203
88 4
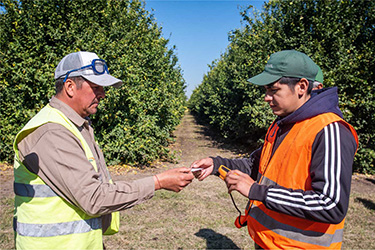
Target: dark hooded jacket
321 101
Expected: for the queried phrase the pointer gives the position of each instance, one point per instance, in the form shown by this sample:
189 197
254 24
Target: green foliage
337 34
134 123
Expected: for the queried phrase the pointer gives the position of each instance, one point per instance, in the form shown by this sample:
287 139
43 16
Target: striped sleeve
331 170
246 165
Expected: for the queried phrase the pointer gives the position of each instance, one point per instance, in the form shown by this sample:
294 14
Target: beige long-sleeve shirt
57 157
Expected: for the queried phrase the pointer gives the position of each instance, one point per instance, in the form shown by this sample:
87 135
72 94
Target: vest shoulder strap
49 114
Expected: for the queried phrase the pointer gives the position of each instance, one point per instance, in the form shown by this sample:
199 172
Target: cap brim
264 78
103 80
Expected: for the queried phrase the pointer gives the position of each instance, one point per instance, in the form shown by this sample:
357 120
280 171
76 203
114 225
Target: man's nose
267 98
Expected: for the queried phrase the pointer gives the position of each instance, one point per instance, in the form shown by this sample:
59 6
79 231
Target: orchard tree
337 34
134 123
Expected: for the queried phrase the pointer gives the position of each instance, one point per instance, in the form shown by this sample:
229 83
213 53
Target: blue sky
199 30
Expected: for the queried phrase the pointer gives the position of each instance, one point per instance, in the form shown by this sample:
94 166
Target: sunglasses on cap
99 66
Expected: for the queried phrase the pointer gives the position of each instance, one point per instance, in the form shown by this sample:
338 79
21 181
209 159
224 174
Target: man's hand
236 180
207 164
174 179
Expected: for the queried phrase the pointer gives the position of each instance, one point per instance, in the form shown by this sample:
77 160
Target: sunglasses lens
100 67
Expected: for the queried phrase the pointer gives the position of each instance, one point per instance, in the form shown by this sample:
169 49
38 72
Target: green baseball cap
319 75
288 63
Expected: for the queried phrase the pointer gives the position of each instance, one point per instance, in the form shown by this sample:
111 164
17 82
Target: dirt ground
167 230
191 143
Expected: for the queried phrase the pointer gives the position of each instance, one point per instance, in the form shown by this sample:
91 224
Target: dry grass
360 222
6 228
199 217
202 215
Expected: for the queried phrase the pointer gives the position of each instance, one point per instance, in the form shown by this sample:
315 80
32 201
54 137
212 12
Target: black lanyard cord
234 203
239 211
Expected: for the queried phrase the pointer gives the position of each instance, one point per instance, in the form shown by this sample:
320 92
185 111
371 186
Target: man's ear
320 86
302 87
70 87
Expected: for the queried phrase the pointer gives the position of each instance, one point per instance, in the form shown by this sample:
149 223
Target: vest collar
69 112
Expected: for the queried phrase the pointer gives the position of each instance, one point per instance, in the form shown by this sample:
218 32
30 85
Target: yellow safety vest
44 220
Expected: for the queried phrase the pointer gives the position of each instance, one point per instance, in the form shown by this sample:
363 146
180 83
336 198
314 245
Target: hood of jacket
321 101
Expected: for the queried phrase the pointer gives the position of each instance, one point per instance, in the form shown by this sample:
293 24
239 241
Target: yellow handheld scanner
223 170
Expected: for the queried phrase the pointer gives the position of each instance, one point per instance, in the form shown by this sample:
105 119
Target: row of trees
134 123
337 34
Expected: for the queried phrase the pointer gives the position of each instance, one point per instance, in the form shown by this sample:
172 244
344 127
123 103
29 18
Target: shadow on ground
215 240
370 180
367 203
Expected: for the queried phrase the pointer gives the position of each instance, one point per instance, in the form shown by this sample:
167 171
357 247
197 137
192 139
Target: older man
65 198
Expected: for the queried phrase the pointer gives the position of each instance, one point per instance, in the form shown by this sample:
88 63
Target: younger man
298 183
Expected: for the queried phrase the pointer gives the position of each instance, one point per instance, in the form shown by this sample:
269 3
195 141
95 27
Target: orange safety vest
271 229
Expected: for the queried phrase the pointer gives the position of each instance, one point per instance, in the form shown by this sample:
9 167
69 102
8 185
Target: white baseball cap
89 66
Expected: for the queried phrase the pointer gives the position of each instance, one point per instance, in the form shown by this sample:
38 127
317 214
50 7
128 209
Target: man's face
282 100
88 98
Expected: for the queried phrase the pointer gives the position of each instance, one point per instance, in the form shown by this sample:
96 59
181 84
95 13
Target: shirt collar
69 112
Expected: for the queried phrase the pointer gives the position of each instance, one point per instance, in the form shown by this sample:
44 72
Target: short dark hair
59 83
292 81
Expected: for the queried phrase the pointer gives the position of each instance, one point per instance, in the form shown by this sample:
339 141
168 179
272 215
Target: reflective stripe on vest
306 236
271 229
28 190
56 229
50 229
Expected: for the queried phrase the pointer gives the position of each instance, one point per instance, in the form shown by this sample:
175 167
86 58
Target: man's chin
94 106
280 113
92 110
